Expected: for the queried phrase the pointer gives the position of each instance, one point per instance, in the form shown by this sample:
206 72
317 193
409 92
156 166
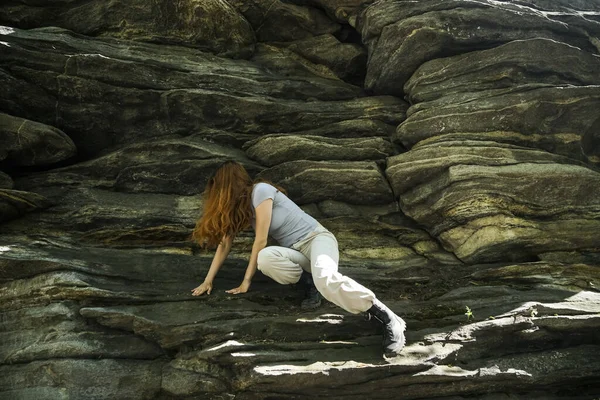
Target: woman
307 250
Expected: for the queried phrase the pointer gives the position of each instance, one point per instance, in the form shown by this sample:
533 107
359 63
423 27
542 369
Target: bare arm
264 211
218 260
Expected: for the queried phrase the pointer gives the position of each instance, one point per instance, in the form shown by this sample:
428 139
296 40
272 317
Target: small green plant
534 312
469 313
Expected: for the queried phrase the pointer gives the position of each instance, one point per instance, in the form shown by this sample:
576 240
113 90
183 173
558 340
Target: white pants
316 253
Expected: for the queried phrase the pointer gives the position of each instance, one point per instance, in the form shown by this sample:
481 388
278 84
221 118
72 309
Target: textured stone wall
452 146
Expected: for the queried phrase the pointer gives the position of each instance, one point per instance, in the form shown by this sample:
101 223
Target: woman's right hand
204 287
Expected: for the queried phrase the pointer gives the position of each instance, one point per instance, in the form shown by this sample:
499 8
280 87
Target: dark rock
431 158
210 25
385 246
484 212
46 256
582 256
518 65
481 233
346 60
171 67
579 276
175 324
554 119
57 330
103 379
275 20
178 166
563 5
268 344
343 11
173 165
98 108
264 115
80 277
277 149
357 128
29 143
105 217
356 182
6 181
14 203
403 35
179 381
285 62
590 142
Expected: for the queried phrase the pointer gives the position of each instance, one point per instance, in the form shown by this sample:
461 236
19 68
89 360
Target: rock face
453 147
522 129
28 143
210 25
489 199
276 149
403 35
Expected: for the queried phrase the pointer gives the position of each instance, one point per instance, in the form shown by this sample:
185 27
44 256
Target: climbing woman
307 253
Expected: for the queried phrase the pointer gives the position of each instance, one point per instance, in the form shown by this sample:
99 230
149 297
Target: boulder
57 330
96 378
210 25
554 119
347 61
30 143
516 66
271 150
6 181
177 165
14 203
99 102
108 218
475 219
138 300
403 35
354 182
430 159
564 5
386 244
483 212
275 20
356 128
343 11
285 62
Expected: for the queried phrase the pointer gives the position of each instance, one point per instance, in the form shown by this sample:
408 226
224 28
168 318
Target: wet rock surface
453 147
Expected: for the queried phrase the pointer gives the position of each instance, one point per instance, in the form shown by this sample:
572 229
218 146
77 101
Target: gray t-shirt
289 223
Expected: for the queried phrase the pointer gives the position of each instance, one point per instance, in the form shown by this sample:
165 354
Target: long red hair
227 205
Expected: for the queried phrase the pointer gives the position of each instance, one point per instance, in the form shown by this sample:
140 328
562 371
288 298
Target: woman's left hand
243 288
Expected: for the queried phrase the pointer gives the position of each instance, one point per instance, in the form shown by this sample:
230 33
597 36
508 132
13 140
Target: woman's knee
265 259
